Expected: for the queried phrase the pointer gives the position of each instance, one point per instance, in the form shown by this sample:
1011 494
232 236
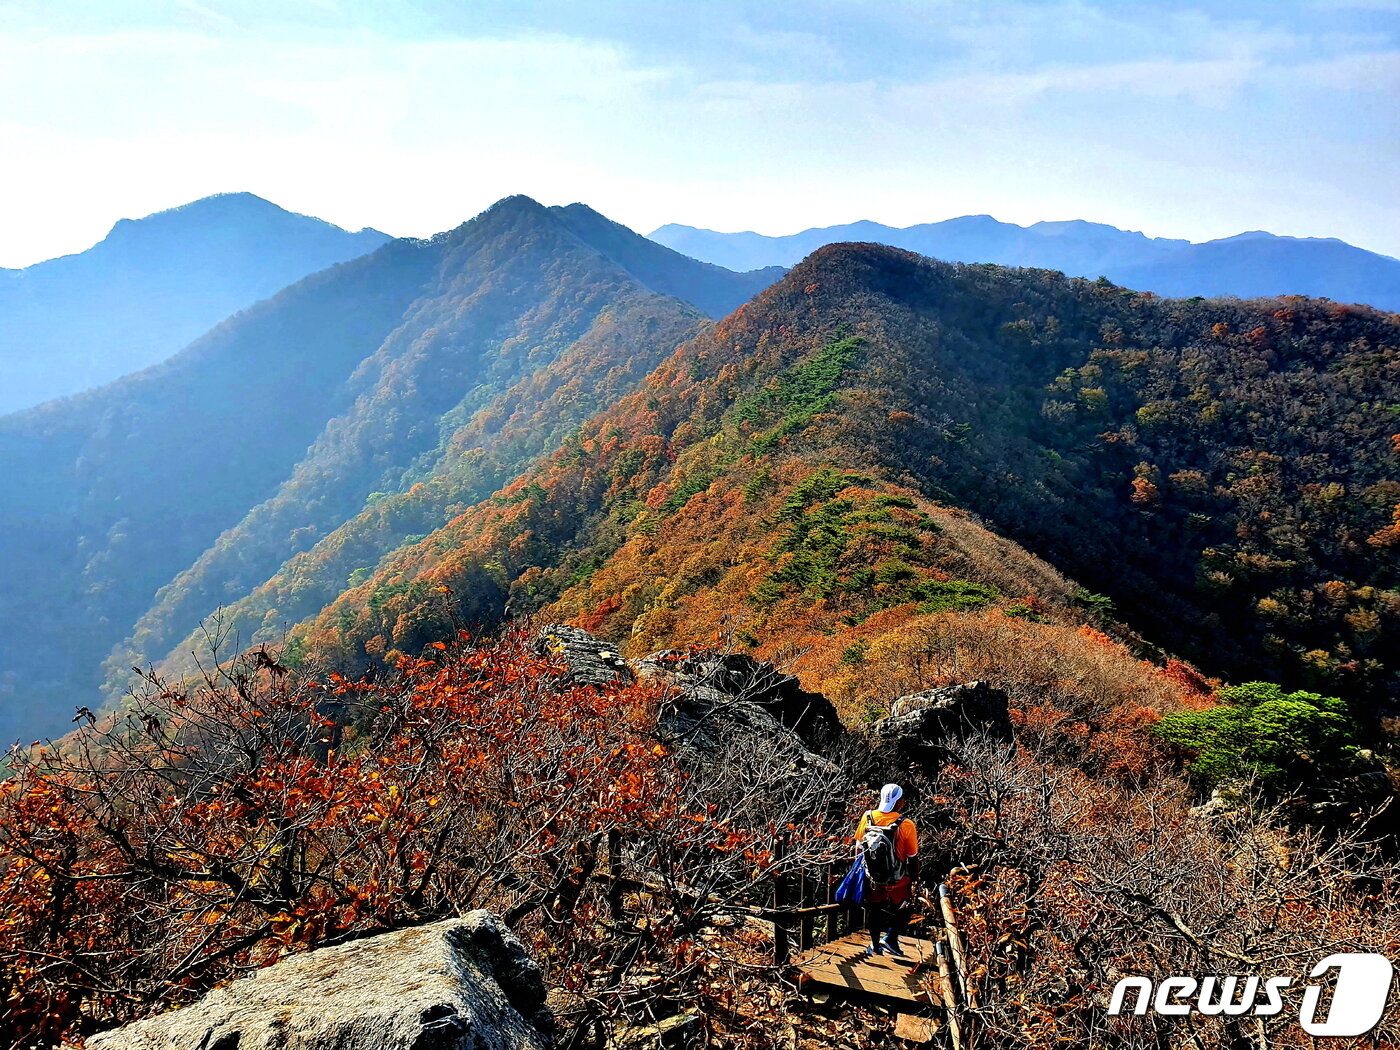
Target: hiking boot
891 945
873 950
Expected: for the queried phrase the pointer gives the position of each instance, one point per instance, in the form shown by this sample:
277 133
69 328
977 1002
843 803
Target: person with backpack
888 844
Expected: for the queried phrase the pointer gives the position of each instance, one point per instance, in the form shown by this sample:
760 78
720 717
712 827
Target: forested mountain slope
584 331
1224 471
266 434
115 490
826 479
150 287
1249 264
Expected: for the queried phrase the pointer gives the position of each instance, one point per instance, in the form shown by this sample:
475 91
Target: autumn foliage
213 829
838 478
794 470
1076 882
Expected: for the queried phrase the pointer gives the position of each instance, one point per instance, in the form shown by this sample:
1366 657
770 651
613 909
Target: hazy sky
1197 119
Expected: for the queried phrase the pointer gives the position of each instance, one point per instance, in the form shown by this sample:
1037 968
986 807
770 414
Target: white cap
890 795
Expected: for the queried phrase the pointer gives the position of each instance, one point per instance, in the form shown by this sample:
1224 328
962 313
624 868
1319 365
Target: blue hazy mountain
1250 264
152 286
141 507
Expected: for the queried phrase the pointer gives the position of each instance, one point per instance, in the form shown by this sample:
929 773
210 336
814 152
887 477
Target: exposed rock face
1225 800
742 713
1337 801
727 712
920 724
463 984
739 676
959 707
589 661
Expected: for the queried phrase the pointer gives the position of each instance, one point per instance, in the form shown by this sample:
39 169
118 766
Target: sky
1194 120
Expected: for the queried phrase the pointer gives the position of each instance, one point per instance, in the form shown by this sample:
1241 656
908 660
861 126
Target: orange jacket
906 838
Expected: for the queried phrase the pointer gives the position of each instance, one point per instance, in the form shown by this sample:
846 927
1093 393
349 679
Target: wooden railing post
949 995
805 898
833 918
955 942
782 949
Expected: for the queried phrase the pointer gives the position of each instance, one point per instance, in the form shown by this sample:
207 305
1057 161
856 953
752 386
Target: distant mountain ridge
1247 265
152 286
140 508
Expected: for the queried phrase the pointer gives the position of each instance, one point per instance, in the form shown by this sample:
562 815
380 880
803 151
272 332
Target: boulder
727 712
1226 801
723 711
588 660
454 985
739 676
958 708
707 727
920 725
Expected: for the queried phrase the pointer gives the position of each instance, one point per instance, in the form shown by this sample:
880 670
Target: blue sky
1196 120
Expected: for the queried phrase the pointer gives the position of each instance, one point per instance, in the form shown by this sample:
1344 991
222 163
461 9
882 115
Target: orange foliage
1390 535
144 864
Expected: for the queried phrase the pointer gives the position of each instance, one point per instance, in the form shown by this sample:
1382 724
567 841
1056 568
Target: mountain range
1247 265
541 412
152 286
139 508
836 469
493 571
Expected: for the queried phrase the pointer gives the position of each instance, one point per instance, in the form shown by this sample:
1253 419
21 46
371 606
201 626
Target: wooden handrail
949 995
955 942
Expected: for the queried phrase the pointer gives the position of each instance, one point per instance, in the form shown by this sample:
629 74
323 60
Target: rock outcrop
739 676
463 984
734 712
588 661
1366 793
920 725
722 712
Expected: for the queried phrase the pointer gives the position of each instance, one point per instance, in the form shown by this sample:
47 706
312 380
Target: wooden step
842 963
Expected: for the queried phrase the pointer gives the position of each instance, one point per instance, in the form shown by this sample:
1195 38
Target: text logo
1362 989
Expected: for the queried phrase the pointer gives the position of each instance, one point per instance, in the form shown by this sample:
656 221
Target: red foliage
1196 689
214 830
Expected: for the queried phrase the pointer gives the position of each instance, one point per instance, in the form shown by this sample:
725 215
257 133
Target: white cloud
1206 82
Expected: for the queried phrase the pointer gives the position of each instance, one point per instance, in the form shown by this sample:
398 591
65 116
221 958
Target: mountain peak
215 206
223 210
231 200
1249 235
846 259
516 204
82 320
505 213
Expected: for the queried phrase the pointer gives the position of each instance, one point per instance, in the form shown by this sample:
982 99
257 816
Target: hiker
889 844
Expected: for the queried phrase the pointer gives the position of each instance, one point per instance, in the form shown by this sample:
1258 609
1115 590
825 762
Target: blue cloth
851 892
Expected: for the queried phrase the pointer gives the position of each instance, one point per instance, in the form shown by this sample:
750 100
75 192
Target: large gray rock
726 712
463 984
921 725
738 676
722 713
587 660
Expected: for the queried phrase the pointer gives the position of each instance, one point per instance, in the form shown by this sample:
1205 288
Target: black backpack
877 849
